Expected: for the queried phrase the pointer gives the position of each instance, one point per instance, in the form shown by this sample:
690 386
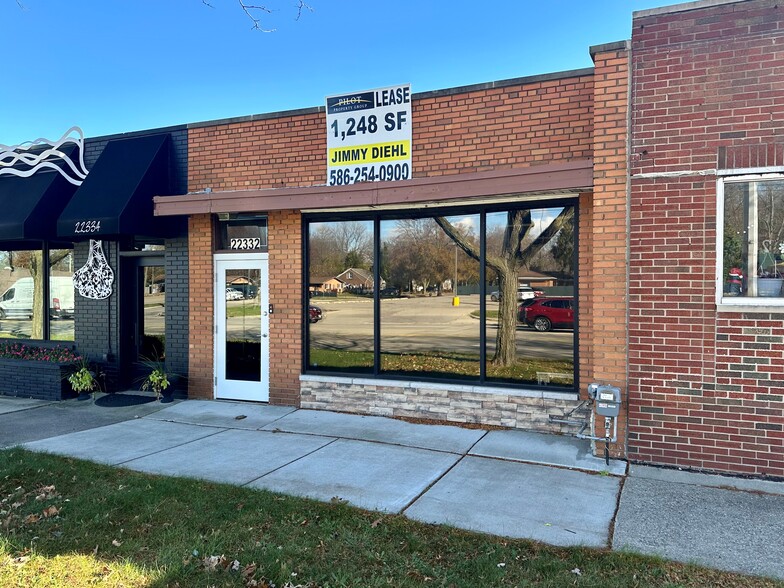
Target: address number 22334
90 226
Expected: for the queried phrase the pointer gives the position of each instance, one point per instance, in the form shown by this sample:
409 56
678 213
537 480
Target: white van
17 301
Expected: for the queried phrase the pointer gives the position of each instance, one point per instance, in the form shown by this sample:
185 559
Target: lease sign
369 136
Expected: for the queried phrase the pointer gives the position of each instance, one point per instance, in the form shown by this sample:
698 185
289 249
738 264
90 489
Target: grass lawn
71 523
243 310
442 363
489 314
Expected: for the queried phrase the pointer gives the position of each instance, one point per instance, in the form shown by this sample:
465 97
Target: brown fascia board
573 176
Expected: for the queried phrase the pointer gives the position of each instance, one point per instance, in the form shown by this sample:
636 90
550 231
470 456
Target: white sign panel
369 136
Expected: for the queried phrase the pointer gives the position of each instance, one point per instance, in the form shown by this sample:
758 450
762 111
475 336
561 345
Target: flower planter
769 287
35 379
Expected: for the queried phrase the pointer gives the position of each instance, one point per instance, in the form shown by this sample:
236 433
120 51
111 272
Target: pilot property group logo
350 102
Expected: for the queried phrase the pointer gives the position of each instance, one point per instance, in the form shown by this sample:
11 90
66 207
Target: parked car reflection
543 314
523 293
315 314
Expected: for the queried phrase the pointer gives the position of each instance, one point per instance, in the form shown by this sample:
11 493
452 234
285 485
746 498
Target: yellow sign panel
372 153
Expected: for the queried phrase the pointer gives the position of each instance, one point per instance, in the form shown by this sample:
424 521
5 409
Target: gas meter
608 401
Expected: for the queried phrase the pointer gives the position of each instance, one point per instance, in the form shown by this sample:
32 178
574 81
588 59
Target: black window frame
376 217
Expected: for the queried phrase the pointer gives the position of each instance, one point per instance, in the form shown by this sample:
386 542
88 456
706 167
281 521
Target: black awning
30 206
115 199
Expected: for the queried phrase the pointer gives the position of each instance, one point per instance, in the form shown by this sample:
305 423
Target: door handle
264 334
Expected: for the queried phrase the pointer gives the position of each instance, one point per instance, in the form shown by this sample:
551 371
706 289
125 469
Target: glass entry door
242 327
142 300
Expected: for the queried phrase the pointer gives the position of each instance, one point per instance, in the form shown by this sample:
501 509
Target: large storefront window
425 312
529 268
753 238
341 290
23 283
426 327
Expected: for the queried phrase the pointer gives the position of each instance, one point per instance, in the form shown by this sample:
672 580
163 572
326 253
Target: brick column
607 230
202 312
285 294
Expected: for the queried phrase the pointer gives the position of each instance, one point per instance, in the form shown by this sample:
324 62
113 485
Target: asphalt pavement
505 482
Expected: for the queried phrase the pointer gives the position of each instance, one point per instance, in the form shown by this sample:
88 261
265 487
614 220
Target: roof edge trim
574 73
686 6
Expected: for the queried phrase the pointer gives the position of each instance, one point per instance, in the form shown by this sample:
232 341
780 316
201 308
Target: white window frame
732 303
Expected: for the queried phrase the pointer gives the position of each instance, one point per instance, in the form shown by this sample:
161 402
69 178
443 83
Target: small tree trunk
38 275
505 339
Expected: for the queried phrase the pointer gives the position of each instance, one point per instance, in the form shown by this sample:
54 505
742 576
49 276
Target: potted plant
83 381
158 381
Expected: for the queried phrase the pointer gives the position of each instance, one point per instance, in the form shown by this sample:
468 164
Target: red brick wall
201 307
603 236
516 126
285 293
705 386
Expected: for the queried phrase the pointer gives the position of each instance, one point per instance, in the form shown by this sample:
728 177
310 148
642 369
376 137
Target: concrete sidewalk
510 483
721 522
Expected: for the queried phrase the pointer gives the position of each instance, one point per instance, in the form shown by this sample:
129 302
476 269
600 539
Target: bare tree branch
497 262
247 10
300 7
256 12
566 216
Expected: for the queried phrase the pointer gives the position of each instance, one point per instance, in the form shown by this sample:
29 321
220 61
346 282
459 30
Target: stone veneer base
505 407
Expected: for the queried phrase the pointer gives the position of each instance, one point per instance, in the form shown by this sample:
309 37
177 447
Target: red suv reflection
315 314
544 314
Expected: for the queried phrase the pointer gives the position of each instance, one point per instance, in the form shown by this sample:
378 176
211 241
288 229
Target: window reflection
753 241
61 295
243 325
430 296
22 287
153 327
341 288
529 262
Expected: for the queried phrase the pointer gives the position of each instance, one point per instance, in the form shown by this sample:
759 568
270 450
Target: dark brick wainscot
35 379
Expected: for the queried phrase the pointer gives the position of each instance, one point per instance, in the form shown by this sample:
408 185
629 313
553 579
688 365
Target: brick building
62 199
474 167
645 185
706 363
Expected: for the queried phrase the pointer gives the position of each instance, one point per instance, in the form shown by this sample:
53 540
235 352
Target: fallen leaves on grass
248 573
18 499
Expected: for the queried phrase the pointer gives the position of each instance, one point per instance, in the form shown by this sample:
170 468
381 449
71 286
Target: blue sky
111 66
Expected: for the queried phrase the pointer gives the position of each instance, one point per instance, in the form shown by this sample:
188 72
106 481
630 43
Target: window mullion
753 238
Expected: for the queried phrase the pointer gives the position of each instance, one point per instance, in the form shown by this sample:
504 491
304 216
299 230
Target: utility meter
608 401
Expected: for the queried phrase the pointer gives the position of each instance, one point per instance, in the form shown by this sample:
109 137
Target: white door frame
224 389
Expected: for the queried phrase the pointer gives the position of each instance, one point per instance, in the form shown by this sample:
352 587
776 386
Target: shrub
58 354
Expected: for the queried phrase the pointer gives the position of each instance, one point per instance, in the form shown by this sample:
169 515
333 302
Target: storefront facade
93 221
634 201
486 157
